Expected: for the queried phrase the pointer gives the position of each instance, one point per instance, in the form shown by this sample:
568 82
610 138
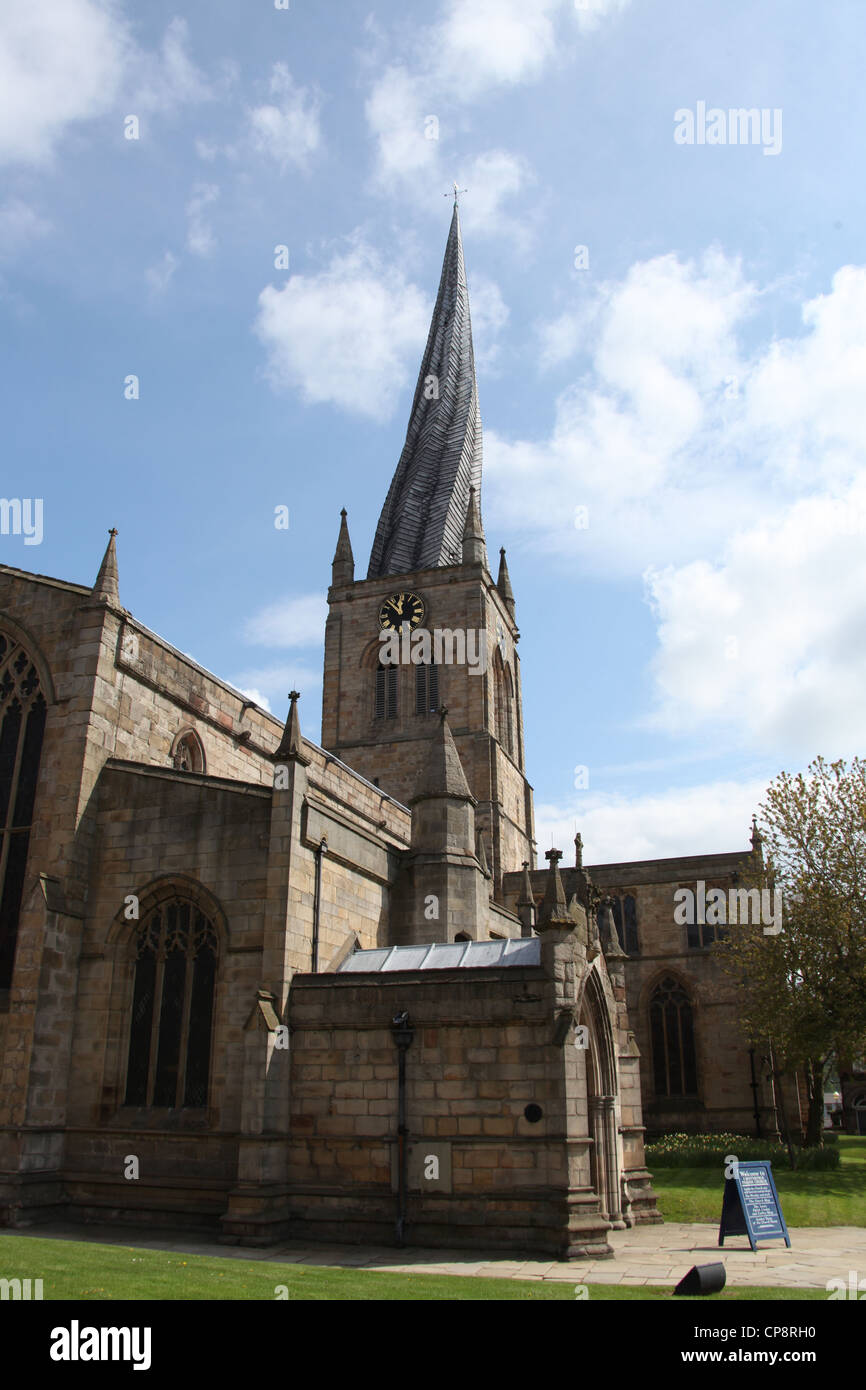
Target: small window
426 689
188 753
386 692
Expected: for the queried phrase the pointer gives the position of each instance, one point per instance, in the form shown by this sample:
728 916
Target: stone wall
487 1045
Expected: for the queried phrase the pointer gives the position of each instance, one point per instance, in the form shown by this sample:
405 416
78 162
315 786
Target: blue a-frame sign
751 1205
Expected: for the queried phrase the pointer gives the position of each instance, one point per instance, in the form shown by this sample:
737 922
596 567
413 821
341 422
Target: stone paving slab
658 1254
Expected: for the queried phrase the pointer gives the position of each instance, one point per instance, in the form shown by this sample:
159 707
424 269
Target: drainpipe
402 1032
317 901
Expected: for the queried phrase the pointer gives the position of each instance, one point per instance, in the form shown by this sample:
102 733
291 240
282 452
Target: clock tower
429 627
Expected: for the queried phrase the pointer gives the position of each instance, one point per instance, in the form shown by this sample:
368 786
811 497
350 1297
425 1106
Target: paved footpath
643 1255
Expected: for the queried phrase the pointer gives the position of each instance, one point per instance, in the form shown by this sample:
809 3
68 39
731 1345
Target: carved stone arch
123 930
594 1010
692 987
187 751
369 658
23 635
602 1101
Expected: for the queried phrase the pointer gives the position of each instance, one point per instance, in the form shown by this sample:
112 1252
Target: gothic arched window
504 696
426 688
673 1040
172 1007
188 753
22 710
386 692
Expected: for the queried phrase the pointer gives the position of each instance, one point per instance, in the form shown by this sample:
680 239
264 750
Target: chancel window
426 688
172 1008
22 712
672 1034
386 692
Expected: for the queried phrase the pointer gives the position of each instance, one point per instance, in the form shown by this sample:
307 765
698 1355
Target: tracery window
22 711
188 755
172 1007
673 1040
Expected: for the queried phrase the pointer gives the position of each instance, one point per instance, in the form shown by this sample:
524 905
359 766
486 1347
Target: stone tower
451 629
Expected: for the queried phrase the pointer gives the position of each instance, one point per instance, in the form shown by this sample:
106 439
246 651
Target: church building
273 989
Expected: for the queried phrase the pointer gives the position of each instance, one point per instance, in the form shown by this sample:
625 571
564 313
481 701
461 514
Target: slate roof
421 525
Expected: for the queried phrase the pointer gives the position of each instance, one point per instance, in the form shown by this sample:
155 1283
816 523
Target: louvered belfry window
172 1008
22 712
426 688
386 692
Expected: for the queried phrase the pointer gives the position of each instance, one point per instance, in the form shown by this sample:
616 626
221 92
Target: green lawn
808 1199
78 1270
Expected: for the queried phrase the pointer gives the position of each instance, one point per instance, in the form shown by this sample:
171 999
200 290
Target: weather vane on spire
456 194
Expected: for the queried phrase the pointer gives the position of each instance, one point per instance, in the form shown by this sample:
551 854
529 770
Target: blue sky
694 380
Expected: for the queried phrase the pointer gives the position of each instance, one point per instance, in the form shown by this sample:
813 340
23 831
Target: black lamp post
403 1033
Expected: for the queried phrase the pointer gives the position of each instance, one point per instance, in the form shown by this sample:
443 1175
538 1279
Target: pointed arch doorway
600 1071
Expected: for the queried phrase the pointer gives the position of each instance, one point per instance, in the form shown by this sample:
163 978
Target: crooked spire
106 589
422 521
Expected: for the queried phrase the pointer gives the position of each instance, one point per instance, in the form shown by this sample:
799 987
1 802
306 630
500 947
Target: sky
222 225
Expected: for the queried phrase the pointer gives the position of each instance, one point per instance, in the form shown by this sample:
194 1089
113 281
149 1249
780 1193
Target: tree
804 987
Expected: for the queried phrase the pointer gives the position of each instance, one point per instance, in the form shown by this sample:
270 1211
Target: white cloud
641 437
20 226
748 470
61 62
590 14
490 179
709 819
292 622
409 147
288 132
169 79
489 316
771 638
200 239
347 335
396 115
481 43
159 276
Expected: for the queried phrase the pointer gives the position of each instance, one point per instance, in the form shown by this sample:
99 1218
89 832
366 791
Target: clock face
399 609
